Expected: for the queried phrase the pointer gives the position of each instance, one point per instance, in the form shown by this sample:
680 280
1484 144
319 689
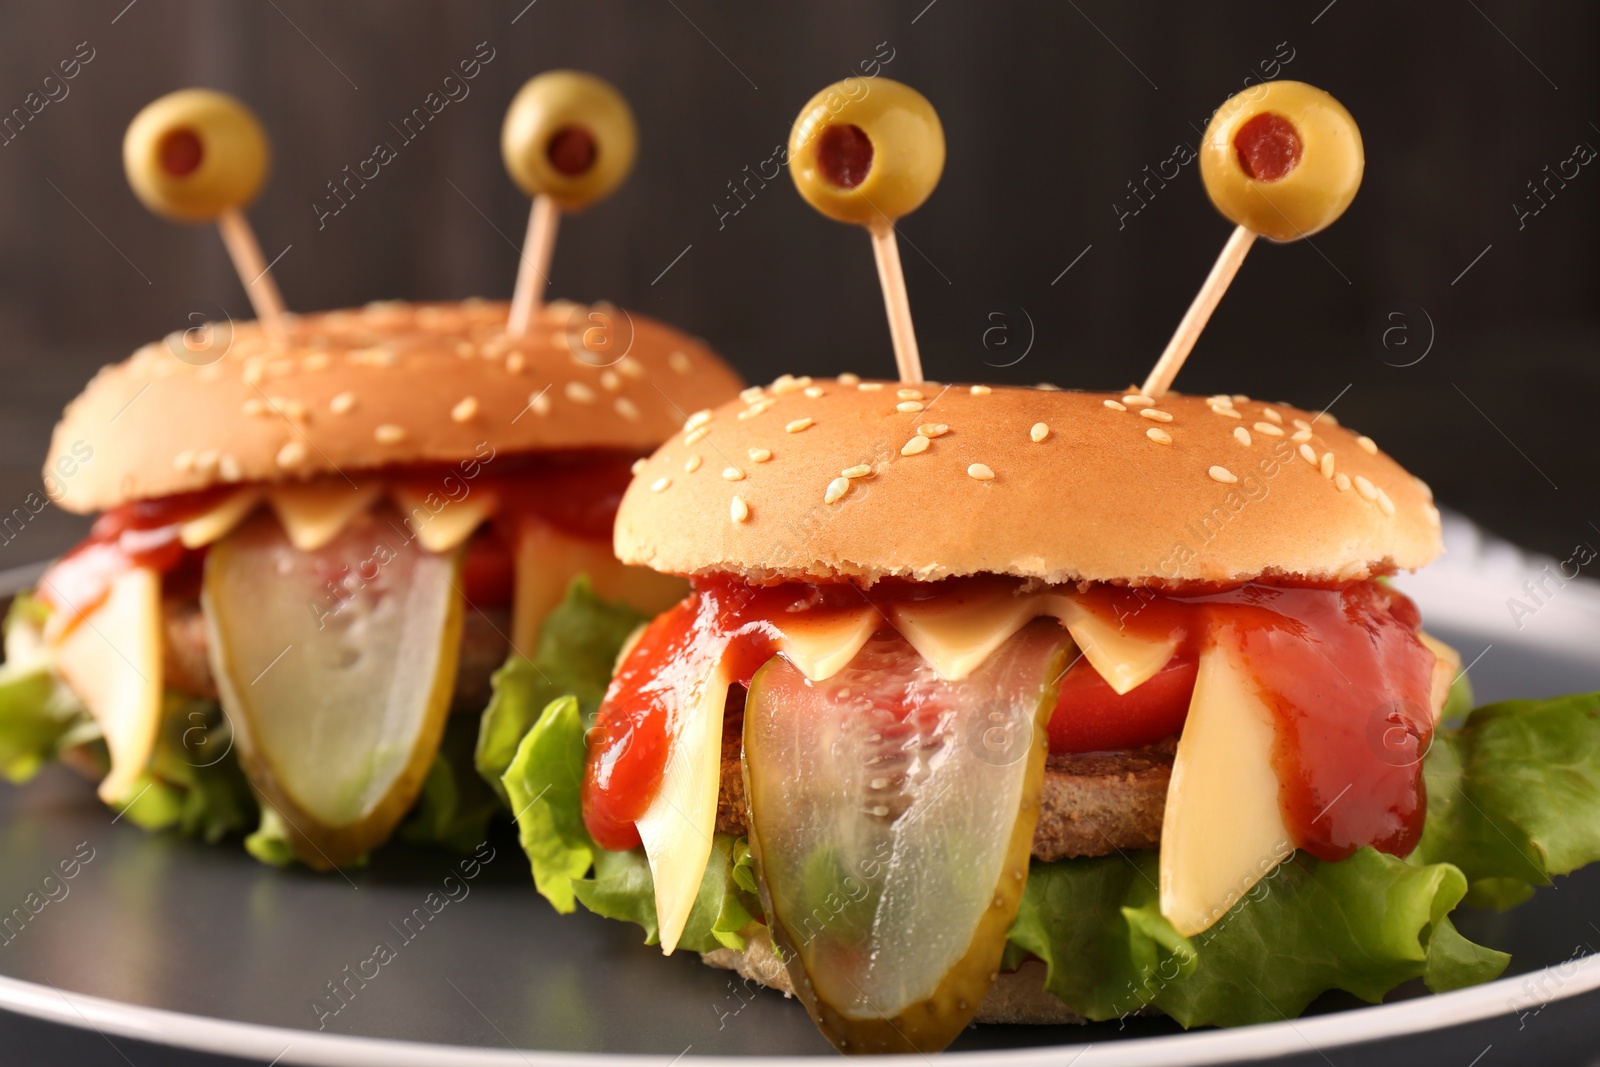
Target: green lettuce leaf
578 645
1514 795
1365 925
38 714
544 783
455 805
193 782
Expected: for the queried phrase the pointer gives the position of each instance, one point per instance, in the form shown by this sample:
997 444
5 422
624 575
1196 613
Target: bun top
389 383
868 480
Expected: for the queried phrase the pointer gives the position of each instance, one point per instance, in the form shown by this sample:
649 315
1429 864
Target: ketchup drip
1341 668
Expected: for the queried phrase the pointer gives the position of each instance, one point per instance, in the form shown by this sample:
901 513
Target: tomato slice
489 573
1091 717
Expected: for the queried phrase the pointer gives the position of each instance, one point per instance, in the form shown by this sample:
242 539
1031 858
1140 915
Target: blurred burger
336 539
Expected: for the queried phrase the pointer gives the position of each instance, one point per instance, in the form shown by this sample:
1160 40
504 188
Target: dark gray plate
172 942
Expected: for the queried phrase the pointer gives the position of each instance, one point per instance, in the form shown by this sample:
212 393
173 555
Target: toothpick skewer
254 275
1199 313
1281 160
568 141
534 272
886 250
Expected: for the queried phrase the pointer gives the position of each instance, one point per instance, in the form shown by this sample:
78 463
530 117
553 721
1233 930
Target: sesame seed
847 378
732 474
860 470
933 429
738 510
342 403
909 406
1423 487
814 391
515 362
914 446
1269 429
184 461
1332 419
540 403
869 387
255 406
1367 490
752 394
759 455
1158 435
757 408
660 484
638 465
1241 435
981 472
610 381
699 418
1308 454
836 489
1368 445
252 372
1342 480
465 410
315 361
1155 413
1115 405
630 367
579 392
788 383
1240 398
680 363
389 434
1223 475
1301 424
1039 432
908 394
980 390
626 408
1385 504
798 424
695 436
1272 414
1138 400
1431 512
692 464
1300 436
292 454
278 368
1221 398
1327 464
206 460
228 468
1217 409
466 348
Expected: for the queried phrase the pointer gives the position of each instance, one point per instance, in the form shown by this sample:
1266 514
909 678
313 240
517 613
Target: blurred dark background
1449 314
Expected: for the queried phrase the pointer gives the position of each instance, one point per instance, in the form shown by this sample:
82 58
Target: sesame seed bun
832 479
390 383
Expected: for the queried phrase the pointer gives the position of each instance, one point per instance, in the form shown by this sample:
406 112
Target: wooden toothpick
886 250
251 266
534 272
1199 313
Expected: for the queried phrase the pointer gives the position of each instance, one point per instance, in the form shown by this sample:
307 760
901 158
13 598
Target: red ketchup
1341 668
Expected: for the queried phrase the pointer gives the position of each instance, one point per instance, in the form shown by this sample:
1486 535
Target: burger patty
1092 804
187 668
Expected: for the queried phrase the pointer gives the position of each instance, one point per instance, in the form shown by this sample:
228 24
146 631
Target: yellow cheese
955 633
820 645
1446 665
213 525
548 558
314 513
447 523
677 828
1126 662
112 660
1222 830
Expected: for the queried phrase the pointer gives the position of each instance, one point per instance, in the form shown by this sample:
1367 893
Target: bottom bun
1016 997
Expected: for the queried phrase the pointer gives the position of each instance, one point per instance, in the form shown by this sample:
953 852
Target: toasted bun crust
369 387
1096 499
1016 997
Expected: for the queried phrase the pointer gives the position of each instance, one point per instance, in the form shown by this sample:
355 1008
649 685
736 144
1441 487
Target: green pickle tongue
335 668
891 817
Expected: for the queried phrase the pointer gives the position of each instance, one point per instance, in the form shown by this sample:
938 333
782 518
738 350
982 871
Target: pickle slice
336 669
891 818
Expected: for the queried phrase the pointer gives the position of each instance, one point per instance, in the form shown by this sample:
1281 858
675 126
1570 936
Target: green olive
195 153
1283 159
569 136
867 152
